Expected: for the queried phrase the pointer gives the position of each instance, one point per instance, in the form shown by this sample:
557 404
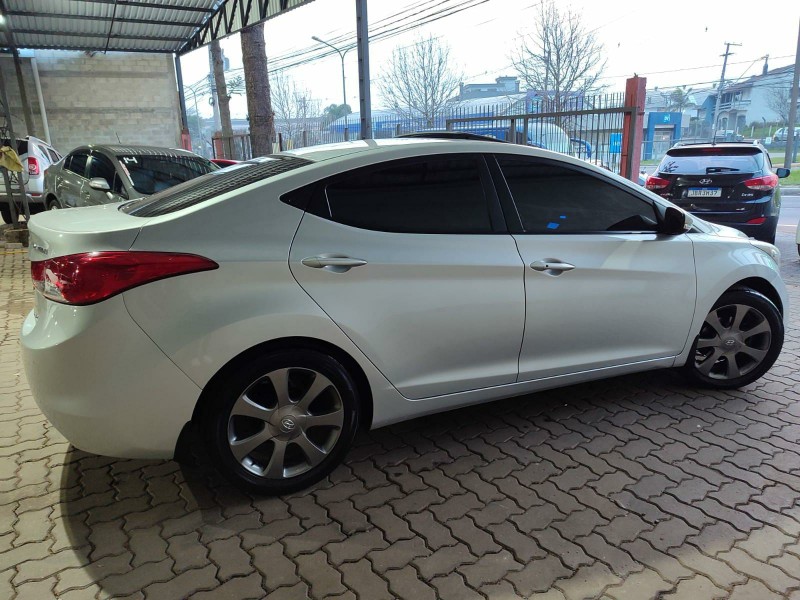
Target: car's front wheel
54 204
283 421
739 341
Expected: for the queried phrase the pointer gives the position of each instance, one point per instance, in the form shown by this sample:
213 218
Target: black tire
798 249
54 204
710 344
299 468
5 212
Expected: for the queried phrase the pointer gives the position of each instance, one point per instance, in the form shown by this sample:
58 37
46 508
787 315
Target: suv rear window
212 185
22 146
702 161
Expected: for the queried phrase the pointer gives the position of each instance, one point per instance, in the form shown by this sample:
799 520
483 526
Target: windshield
704 163
152 173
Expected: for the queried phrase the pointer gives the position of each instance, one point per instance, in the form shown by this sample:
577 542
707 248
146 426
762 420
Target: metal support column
365 103
13 181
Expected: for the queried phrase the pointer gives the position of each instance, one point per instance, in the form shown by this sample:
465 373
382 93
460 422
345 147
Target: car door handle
554 267
337 264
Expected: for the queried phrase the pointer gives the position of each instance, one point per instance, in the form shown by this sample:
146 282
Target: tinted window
422 196
150 174
701 162
22 145
77 163
554 199
53 155
100 166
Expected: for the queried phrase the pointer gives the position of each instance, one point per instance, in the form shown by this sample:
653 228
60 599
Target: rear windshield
22 146
212 185
703 161
150 174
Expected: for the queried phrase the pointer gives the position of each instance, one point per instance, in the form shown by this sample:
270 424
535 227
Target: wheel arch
762 286
294 343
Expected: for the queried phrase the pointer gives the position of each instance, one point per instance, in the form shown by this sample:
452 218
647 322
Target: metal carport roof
169 26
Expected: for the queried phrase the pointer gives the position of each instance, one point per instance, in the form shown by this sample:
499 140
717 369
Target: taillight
763 184
656 183
90 277
757 221
33 165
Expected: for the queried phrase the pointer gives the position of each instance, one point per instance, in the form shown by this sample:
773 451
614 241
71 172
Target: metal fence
588 127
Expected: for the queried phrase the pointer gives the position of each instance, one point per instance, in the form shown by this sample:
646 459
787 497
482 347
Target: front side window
150 174
77 163
436 195
100 166
554 199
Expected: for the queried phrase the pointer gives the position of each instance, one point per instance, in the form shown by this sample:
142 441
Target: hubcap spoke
244 407
741 313
754 353
242 448
707 343
732 370
319 385
762 327
333 419
705 366
713 320
276 461
280 381
313 453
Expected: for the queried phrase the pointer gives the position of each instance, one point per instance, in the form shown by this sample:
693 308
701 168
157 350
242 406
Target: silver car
36 157
95 174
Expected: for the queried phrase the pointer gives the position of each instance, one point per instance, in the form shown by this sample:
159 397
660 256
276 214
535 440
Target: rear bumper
763 232
103 383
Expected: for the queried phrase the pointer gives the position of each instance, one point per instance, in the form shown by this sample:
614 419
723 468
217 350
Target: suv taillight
33 165
91 277
763 184
656 183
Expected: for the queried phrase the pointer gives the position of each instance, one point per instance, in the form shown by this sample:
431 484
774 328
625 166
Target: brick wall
94 99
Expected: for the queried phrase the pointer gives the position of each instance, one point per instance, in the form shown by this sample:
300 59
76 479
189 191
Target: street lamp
341 54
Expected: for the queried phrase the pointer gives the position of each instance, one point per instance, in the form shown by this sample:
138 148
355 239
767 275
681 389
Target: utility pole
341 54
362 41
719 89
791 142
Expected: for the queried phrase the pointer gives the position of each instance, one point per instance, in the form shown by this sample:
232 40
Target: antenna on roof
117 134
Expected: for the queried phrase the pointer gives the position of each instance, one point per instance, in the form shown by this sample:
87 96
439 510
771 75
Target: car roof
124 149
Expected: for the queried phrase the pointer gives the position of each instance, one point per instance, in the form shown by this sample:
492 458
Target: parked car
281 304
102 174
782 134
731 184
36 156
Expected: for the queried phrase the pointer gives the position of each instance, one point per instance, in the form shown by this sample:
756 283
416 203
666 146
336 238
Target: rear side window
150 174
212 185
704 161
552 199
438 195
77 163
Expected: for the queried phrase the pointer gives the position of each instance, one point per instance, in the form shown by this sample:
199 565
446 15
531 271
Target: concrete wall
94 99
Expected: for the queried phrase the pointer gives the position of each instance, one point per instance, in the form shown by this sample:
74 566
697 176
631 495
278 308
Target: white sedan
282 303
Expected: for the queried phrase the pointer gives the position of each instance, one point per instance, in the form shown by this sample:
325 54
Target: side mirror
98 183
674 222
781 173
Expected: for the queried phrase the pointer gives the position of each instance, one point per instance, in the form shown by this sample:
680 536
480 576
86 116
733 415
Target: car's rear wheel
54 204
739 341
282 421
5 213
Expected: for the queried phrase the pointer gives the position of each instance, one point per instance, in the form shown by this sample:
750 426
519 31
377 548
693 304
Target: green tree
335 111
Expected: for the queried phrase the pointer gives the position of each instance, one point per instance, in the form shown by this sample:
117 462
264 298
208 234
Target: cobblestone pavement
637 487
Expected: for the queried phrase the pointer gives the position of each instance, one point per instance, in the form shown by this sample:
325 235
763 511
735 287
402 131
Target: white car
283 303
36 157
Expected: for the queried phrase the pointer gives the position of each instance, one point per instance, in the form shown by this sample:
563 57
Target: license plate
704 192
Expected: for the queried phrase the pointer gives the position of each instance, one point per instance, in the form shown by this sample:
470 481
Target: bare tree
419 80
560 59
256 77
779 99
223 99
294 107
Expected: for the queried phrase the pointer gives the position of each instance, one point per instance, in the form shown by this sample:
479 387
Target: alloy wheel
285 423
734 340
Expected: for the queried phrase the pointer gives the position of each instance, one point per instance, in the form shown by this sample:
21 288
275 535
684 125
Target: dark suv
727 183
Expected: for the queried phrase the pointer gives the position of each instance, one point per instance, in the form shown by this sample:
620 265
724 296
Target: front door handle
336 264
551 266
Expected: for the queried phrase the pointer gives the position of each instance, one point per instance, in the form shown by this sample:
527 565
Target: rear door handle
336 264
550 266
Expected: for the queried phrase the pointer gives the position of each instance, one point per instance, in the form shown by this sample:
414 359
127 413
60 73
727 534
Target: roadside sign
615 143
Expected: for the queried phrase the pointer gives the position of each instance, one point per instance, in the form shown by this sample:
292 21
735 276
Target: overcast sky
671 43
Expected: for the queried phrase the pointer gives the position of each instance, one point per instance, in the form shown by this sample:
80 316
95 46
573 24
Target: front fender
721 263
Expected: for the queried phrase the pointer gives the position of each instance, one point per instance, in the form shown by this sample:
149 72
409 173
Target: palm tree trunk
223 99
256 76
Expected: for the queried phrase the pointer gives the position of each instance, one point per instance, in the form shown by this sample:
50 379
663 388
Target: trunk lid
70 231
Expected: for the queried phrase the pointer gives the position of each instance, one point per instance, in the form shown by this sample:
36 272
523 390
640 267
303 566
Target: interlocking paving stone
635 487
